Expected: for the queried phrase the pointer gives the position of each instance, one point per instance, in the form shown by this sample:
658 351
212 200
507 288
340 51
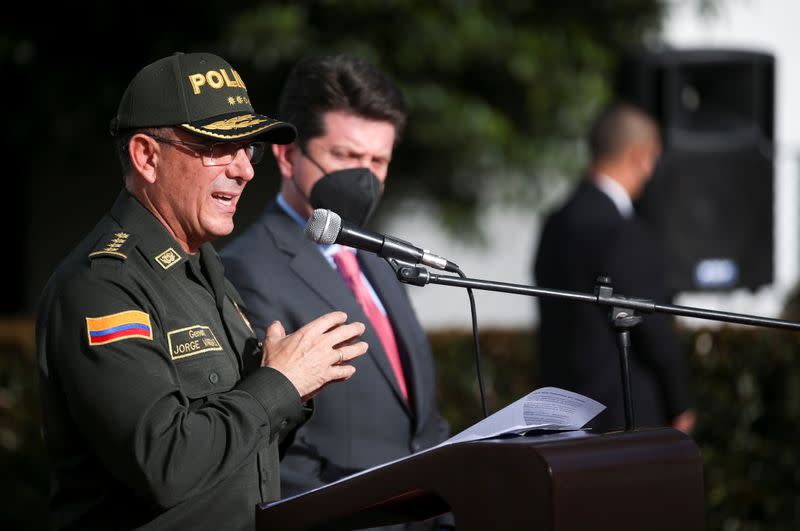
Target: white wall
514 234
765 25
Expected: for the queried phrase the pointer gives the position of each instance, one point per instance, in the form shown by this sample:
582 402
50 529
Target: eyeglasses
219 153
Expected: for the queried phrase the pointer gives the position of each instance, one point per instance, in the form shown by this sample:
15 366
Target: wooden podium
643 479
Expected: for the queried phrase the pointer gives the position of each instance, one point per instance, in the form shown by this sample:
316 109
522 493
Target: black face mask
353 193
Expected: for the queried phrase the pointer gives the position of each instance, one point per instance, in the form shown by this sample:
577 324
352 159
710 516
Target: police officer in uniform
161 409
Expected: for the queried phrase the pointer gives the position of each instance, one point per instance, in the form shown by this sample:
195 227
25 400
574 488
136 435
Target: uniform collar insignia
168 258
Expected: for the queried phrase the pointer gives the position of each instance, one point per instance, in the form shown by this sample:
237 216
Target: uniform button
213 377
416 446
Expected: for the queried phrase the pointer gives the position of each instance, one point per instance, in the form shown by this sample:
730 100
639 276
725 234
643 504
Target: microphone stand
623 311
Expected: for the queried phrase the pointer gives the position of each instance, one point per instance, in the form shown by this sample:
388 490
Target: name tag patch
193 340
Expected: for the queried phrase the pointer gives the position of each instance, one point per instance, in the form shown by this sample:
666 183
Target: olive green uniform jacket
156 412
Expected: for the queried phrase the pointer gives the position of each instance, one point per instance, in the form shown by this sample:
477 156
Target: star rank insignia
115 245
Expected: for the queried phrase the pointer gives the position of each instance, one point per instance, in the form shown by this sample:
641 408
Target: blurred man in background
596 232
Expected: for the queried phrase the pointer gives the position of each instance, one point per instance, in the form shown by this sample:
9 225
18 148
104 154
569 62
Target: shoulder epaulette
113 245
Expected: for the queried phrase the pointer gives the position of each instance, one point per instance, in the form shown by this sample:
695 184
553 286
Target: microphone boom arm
623 312
419 276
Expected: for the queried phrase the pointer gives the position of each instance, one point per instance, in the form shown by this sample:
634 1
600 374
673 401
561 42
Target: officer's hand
316 354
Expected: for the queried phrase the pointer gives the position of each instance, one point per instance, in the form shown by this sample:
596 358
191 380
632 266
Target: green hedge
747 388
746 385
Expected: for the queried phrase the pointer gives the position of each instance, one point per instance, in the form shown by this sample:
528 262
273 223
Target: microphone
327 227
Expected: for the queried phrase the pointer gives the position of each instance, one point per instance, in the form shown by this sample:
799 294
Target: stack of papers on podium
548 408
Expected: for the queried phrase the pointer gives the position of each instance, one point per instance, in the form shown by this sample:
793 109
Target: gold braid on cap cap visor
246 120
237 122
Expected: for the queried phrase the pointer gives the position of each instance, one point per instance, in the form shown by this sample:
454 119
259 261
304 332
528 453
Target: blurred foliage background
500 93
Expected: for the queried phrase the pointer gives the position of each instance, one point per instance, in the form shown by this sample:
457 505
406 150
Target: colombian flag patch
118 326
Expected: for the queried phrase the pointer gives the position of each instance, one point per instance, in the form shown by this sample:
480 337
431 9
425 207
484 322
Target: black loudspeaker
710 200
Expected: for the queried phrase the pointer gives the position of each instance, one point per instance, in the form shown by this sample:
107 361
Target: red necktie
348 267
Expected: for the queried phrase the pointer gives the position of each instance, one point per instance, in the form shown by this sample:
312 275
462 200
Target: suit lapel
308 263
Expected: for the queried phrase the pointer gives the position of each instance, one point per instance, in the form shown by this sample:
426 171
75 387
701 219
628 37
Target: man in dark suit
349 116
596 232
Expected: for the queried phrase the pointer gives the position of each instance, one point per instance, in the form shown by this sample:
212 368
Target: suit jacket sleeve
636 268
